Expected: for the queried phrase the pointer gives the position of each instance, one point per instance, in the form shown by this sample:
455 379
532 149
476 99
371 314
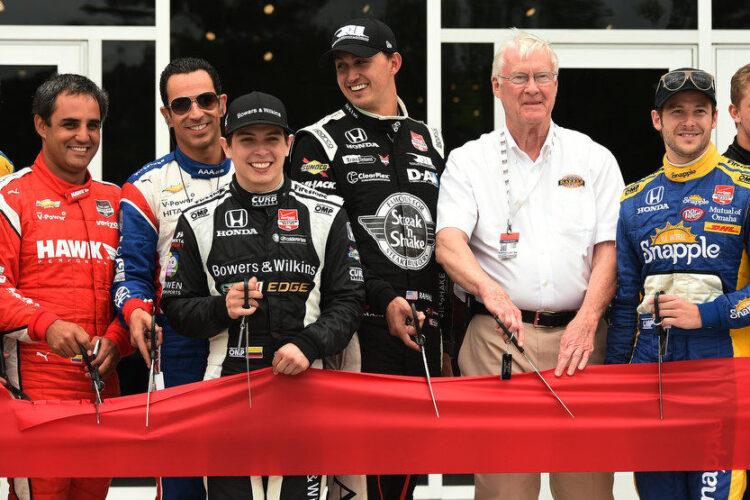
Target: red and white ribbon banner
324 422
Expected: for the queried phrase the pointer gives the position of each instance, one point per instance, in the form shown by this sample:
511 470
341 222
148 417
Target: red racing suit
57 249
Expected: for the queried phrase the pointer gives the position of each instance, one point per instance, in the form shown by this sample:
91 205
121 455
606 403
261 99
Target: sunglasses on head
675 80
206 100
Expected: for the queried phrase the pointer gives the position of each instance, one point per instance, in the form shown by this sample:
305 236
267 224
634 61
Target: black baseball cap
363 37
256 108
682 79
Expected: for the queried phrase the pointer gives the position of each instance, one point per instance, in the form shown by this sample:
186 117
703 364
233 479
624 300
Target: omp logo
323 209
236 218
73 249
675 242
741 309
716 227
199 213
355 135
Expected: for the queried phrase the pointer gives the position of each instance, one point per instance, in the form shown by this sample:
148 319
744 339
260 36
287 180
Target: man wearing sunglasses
683 231
152 200
526 227
386 166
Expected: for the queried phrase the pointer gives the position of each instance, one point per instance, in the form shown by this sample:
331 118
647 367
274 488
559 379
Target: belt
537 318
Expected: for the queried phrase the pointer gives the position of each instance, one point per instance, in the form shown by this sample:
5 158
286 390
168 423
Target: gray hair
527 44
68 83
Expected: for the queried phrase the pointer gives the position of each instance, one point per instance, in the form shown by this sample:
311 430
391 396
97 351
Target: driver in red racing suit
58 234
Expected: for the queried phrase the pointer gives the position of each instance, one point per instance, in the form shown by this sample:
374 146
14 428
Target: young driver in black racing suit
305 280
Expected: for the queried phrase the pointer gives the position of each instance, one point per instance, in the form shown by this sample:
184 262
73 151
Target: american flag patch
411 295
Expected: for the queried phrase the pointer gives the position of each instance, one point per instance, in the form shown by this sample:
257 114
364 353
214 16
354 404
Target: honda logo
655 195
356 135
236 218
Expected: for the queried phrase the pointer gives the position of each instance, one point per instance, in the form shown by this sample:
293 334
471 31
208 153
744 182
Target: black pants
265 487
391 487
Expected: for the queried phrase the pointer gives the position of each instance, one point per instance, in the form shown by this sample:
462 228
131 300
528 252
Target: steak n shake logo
403 229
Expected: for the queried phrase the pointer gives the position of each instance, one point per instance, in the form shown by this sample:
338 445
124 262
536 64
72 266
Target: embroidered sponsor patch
288 219
723 195
692 214
571 181
718 227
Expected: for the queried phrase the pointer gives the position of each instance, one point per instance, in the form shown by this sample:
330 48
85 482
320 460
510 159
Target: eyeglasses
206 100
675 80
521 79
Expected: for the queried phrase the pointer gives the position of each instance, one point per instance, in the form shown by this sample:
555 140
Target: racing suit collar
198 170
695 170
71 192
742 154
259 200
358 113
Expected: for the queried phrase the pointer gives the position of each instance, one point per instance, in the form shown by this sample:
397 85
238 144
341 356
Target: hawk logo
403 229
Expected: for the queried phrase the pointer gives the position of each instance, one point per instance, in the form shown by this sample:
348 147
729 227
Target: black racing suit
387 170
295 242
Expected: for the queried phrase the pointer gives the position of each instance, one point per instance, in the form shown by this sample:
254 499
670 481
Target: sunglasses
206 100
675 80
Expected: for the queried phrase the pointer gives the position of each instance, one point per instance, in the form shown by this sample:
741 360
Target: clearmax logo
677 251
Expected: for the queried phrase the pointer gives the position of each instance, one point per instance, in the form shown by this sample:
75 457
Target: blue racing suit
685 231
152 200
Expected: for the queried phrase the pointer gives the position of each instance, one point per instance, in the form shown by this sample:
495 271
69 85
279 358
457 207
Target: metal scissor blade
150 388
96 379
548 386
512 338
661 401
247 360
429 382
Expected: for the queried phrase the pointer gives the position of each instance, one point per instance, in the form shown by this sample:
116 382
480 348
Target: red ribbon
324 422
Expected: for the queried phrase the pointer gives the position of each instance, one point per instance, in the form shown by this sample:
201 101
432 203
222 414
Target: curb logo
403 229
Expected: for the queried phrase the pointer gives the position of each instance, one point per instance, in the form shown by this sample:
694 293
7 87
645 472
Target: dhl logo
717 227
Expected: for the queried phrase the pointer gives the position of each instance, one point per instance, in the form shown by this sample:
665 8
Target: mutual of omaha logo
288 219
718 227
723 195
692 214
677 243
104 208
314 167
47 203
571 181
403 229
418 141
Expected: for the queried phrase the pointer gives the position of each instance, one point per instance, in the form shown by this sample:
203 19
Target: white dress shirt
562 204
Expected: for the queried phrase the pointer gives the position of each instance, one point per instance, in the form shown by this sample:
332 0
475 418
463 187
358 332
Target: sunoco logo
403 229
675 243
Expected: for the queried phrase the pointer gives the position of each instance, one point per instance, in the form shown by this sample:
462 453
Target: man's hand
396 314
289 360
236 299
678 312
106 359
140 333
576 345
61 336
497 301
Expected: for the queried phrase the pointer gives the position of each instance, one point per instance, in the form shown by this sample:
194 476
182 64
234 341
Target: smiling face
197 132
529 104
685 123
71 138
369 82
258 153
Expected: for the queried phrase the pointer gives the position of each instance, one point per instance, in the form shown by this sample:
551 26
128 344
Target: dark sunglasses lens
181 105
674 80
702 80
207 100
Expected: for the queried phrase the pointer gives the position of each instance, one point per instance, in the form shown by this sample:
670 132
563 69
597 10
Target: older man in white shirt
526 223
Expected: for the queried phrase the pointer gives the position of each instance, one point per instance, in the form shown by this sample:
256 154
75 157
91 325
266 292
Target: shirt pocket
574 209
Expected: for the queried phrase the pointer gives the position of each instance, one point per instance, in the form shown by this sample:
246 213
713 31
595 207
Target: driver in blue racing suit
684 230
